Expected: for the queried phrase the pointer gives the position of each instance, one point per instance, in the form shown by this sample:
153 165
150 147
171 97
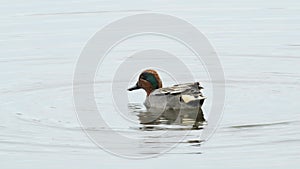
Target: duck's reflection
182 117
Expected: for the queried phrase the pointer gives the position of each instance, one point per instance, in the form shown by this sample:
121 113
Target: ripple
45 144
262 124
83 12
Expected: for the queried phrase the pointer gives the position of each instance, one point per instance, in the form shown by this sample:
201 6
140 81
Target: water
258 44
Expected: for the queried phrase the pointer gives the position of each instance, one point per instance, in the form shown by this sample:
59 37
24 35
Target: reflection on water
154 119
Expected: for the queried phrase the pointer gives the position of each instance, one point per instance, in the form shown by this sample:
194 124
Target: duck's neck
152 85
149 91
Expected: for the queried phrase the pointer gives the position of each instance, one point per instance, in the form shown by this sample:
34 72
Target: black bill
135 87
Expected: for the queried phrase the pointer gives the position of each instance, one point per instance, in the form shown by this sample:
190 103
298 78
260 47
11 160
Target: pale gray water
258 43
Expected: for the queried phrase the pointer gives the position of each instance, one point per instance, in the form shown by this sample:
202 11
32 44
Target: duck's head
148 80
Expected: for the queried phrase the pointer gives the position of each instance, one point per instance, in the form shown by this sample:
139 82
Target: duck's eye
143 76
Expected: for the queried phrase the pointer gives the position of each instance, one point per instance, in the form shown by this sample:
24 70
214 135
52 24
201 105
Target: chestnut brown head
148 80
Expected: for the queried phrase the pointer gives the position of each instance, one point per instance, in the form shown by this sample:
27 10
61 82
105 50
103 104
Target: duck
186 96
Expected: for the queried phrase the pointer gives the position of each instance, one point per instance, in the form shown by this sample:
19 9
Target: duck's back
180 96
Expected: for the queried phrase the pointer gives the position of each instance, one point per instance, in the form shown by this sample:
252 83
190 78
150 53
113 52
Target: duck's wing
185 96
188 91
192 94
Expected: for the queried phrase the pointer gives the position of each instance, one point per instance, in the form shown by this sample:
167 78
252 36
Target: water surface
258 44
